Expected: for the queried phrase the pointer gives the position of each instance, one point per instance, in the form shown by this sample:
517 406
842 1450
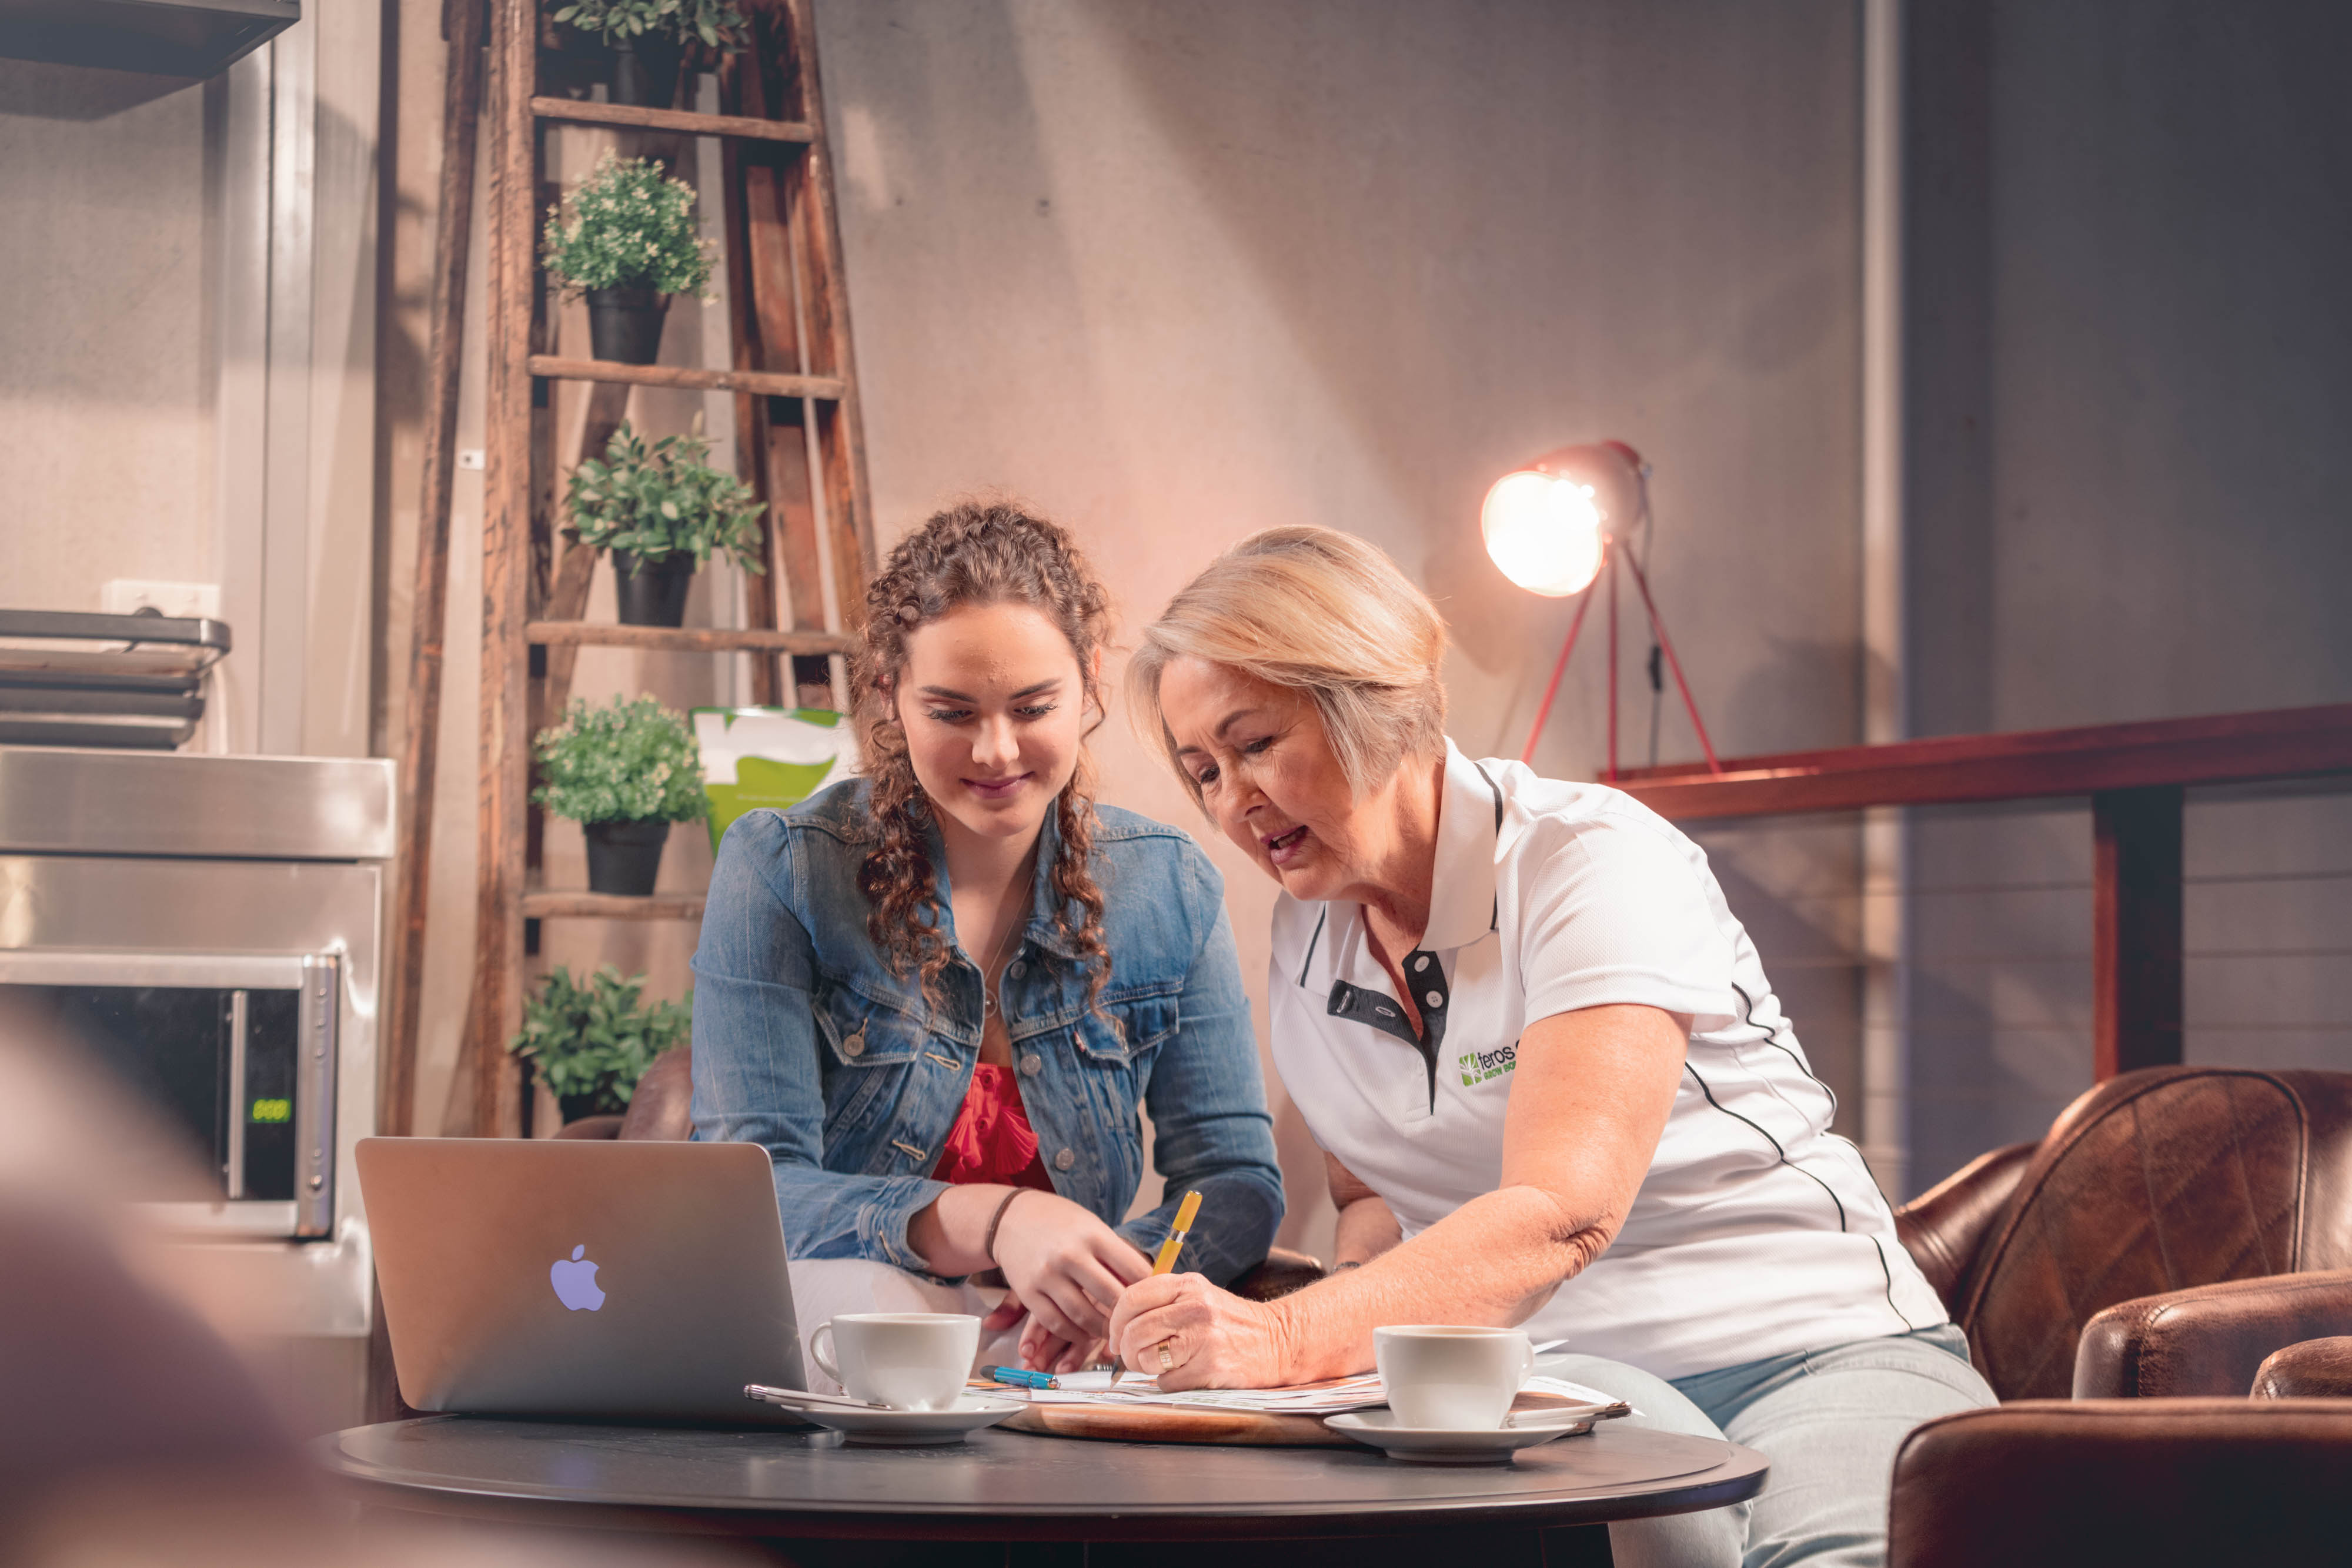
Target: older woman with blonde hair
1552 1083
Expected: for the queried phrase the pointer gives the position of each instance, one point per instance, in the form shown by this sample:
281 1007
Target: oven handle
240 1021
314 1096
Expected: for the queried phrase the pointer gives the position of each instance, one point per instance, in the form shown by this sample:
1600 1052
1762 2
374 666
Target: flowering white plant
627 225
632 762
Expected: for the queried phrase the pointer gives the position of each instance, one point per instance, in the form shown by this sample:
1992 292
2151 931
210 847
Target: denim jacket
804 1041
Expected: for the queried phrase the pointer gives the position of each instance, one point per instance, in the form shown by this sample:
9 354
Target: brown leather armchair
2183 1233
662 1107
2124 1483
2175 1227
2315 1369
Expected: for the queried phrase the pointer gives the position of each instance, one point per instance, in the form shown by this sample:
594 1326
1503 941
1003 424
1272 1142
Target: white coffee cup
909 1360
1456 1378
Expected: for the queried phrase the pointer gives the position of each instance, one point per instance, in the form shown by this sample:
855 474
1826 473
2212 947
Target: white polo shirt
1757 1231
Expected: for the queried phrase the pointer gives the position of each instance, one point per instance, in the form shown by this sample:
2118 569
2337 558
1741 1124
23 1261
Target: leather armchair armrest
2207 1340
1944 1226
2316 1369
662 1105
2093 1483
598 1126
1282 1273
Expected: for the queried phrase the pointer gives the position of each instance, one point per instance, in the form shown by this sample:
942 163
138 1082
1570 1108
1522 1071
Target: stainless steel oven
207 930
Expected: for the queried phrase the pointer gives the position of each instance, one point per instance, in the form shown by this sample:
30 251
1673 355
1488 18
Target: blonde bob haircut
1315 611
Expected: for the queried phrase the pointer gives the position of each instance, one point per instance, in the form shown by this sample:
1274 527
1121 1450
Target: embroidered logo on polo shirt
1477 1066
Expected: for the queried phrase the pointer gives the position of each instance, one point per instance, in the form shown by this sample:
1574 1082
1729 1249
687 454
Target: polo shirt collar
1461 890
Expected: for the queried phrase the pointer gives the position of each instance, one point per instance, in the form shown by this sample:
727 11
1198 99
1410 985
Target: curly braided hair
975 552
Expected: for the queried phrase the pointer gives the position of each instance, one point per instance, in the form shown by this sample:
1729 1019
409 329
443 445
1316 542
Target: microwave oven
235 1053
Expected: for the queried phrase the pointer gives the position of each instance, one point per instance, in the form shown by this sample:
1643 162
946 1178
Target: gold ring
1167 1362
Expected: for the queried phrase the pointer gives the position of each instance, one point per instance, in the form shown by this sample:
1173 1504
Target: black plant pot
624 857
625 325
652 589
645 71
576 1107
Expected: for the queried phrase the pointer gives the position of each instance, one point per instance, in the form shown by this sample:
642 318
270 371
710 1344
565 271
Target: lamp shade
1545 524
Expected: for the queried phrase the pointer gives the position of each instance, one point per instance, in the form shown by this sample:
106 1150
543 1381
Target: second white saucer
1459 1444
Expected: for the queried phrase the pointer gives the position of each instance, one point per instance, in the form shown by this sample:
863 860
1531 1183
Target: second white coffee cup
909 1360
1456 1378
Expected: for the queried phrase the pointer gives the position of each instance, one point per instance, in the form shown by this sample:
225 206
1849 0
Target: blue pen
1020 1377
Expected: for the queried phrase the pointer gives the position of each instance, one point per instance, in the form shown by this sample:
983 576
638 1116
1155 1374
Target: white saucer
969 1415
1464 1444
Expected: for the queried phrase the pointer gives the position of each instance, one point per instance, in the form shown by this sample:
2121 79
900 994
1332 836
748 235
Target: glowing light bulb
1543 532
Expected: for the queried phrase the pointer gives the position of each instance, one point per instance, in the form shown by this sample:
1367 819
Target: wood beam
2225 749
420 753
689 378
581 111
683 639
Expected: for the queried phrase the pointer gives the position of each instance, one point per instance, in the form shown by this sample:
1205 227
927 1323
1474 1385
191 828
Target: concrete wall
2131 370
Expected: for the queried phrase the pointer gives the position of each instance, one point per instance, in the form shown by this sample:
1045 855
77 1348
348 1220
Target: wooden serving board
1201 1423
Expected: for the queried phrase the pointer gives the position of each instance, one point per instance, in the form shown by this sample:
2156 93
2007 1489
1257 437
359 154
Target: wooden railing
2135 774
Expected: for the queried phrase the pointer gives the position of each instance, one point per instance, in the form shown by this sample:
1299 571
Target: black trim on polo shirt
1425 971
1494 919
1311 941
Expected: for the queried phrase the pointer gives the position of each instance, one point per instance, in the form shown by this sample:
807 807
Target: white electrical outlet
188 601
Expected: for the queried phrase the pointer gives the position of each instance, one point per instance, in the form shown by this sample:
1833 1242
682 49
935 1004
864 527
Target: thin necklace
987 985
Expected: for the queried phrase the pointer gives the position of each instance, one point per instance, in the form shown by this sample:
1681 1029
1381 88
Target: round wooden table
823 1500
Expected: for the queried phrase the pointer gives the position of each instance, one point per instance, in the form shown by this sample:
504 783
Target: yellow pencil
1186 1212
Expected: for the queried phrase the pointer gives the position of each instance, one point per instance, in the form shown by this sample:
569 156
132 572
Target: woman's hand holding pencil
1190 1335
1186 1212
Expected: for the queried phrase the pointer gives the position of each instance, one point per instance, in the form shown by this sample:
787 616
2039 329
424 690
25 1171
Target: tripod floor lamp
1553 527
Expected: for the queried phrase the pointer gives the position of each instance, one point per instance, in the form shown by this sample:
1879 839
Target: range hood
163 37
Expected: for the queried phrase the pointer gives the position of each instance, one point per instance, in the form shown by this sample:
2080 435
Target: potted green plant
646 37
661 510
590 1044
624 773
625 237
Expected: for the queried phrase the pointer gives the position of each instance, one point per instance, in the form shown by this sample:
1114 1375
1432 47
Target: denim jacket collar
1042 928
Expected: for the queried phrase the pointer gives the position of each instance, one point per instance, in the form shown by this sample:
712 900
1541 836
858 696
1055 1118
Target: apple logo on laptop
574 1279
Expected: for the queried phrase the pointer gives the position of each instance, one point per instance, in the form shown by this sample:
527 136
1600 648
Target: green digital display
273 1110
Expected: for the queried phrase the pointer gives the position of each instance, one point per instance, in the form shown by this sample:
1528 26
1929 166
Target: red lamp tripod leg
1543 710
1682 686
1657 625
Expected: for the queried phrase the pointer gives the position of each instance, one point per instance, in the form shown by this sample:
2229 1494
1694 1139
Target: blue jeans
1830 1421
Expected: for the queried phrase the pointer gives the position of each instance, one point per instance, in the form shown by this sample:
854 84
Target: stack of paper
1340 1394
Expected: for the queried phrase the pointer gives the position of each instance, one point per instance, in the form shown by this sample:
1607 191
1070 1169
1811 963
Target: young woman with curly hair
937 993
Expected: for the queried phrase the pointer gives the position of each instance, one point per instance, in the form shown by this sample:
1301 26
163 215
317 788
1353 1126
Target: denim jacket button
1016 968
855 1045
1032 1065
1064 1160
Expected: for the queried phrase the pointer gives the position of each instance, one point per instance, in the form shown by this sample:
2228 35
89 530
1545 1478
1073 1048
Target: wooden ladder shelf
792 374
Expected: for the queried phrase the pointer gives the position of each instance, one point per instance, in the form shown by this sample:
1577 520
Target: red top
991 1141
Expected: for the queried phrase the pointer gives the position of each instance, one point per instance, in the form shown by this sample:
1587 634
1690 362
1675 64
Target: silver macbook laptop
564 1276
